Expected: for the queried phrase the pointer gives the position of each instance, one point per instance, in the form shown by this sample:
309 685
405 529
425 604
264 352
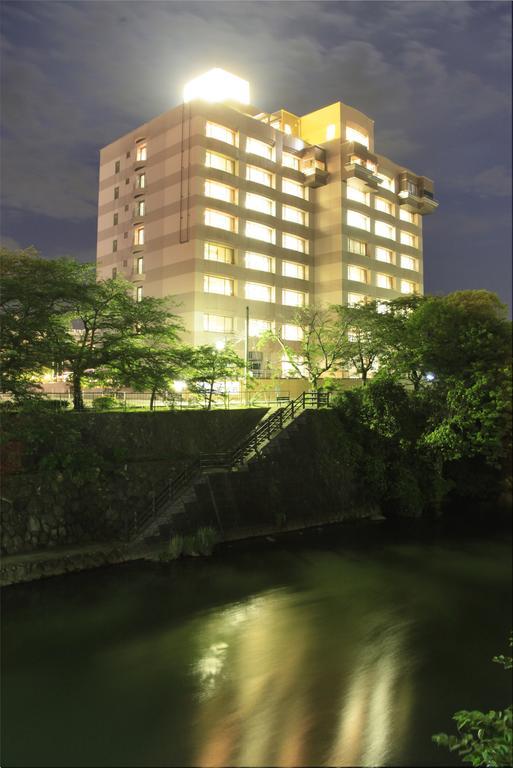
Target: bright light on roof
217 85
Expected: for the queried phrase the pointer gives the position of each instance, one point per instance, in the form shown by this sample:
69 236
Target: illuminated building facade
244 215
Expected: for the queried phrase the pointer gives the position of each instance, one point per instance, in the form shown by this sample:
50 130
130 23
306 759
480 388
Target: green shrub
105 403
176 547
205 540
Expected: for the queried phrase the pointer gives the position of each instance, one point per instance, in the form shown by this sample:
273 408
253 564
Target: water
317 651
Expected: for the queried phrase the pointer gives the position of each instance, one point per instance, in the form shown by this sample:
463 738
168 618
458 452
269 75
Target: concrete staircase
210 490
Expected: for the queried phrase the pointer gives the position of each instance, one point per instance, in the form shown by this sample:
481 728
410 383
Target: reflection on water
319 656
256 702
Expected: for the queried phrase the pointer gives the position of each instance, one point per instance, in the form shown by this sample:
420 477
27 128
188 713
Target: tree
209 366
320 346
34 312
152 364
402 354
111 331
361 326
484 738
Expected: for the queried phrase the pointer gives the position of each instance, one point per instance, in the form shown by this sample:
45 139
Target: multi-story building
244 216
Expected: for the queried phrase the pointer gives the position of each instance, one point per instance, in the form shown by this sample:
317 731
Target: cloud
493 182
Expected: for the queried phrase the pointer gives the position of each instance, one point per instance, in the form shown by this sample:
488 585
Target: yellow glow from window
331 131
217 85
258 327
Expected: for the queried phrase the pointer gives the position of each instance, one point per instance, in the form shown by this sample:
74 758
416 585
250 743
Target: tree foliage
484 738
320 349
209 367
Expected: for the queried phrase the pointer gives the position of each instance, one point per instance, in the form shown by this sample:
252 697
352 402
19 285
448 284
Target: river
347 646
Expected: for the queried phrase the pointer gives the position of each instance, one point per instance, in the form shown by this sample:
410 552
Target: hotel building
243 216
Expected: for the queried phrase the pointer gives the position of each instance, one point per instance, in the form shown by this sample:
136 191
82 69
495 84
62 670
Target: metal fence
125 401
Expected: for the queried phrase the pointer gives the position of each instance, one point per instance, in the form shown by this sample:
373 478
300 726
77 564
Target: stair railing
260 435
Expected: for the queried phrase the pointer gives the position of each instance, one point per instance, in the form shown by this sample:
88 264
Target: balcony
312 165
362 176
416 193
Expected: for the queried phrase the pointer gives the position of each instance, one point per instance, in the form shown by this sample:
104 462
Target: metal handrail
259 435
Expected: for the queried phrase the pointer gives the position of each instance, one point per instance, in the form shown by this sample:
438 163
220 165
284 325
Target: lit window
259 292
259 176
407 239
142 153
220 220
139 236
357 246
353 193
331 131
217 323
383 229
141 181
116 193
114 246
353 135
293 298
141 208
287 129
290 161
355 219
258 327
293 243
288 369
219 162
293 214
117 166
407 286
259 261
215 252
406 216
259 203
222 285
221 133
219 191
357 274
353 299
386 182
292 188
383 205
293 269
260 232
385 255
291 332
256 147
140 265
413 188
384 281
139 293
408 262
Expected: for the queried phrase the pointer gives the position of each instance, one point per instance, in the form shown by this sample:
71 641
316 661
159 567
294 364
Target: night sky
435 77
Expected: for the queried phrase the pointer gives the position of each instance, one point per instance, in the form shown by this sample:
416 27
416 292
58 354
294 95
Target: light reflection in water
259 701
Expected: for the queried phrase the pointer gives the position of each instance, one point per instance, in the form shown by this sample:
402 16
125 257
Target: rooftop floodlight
217 85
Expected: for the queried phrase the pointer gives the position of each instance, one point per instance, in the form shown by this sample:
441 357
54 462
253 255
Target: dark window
128 154
126 207
114 246
117 166
116 193
125 262
125 235
127 181
114 272
115 219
